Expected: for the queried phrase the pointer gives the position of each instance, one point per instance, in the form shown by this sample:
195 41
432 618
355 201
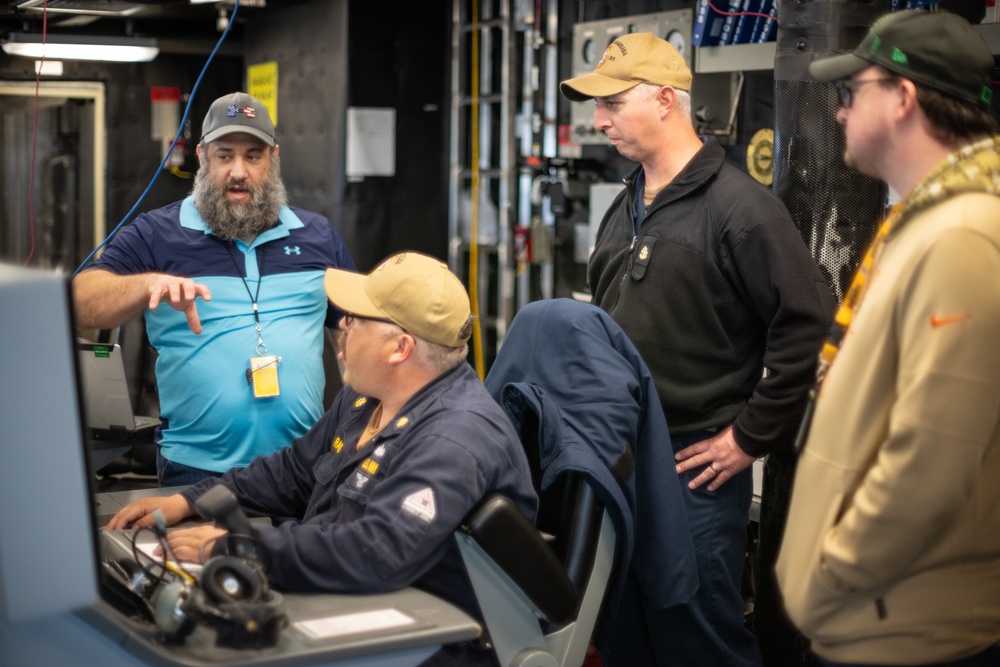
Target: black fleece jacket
721 297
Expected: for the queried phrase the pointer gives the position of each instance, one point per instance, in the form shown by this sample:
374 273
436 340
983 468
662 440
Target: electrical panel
591 39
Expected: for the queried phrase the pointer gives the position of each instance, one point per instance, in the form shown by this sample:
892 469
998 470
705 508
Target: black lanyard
261 348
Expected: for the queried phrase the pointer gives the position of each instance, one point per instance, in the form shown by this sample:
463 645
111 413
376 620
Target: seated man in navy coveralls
378 486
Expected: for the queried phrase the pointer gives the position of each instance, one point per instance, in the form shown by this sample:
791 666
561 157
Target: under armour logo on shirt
289 251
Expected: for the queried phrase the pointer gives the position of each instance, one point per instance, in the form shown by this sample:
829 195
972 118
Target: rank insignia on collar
644 253
361 401
402 421
337 444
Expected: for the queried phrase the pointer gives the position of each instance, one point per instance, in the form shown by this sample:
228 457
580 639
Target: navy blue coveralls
383 518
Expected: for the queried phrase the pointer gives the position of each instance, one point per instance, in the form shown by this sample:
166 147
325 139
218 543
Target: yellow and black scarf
974 168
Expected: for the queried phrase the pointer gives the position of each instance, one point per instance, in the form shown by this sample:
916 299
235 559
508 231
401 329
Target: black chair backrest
504 533
550 561
568 510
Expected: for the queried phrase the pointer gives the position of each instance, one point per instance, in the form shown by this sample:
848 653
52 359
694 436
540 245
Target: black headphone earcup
172 611
231 579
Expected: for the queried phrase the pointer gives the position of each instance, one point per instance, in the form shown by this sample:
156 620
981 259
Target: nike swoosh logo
940 320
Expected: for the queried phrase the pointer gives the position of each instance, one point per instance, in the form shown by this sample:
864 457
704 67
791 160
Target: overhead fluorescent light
106 8
80 47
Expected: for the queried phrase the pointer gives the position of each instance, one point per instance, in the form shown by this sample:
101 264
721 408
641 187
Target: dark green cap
938 50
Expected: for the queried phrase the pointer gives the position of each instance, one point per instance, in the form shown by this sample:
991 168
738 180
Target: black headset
231 593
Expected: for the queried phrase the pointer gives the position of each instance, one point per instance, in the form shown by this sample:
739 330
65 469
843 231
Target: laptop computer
109 413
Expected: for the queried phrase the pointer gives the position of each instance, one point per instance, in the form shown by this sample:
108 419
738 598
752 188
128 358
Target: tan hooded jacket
891 552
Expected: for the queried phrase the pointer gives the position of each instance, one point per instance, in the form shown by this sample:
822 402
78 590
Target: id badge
263 376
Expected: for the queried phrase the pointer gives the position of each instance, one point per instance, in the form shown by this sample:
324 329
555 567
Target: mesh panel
836 209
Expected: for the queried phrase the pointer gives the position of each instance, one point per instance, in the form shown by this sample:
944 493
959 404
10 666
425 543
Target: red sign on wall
165 94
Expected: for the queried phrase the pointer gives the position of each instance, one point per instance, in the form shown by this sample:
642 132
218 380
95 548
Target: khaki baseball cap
939 50
638 57
414 291
237 112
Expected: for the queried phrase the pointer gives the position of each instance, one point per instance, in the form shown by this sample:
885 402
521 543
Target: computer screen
48 550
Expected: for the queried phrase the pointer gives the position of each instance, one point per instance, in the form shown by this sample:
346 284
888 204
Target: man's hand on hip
721 457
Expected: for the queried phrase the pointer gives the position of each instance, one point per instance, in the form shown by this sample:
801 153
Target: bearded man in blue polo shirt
240 370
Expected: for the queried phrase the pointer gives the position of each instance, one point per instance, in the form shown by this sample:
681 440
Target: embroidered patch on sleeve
421 504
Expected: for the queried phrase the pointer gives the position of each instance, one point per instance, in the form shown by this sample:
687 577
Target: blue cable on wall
180 130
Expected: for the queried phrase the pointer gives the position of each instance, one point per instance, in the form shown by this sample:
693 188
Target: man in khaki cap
380 484
705 272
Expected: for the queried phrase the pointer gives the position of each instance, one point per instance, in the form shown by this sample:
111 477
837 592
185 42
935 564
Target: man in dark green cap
891 552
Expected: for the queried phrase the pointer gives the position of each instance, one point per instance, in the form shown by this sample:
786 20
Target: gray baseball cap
237 112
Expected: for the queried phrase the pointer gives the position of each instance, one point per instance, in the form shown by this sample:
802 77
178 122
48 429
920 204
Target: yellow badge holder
264 376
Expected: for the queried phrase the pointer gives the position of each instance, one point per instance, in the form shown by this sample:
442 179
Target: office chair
597 443
539 591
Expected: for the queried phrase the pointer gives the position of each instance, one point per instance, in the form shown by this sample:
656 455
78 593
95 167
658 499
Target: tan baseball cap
638 57
415 291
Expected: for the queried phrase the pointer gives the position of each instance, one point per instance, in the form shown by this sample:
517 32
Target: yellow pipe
477 336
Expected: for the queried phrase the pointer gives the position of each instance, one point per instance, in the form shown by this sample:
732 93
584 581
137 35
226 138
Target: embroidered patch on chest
421 505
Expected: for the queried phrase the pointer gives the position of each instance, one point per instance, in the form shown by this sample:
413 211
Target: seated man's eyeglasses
350 317
845 89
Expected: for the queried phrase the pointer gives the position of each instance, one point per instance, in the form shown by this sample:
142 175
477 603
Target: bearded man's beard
231 220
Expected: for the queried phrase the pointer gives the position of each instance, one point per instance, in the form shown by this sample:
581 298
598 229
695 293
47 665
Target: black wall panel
399 57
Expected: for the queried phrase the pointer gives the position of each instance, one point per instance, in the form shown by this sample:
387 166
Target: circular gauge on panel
589 51
677 40
760 156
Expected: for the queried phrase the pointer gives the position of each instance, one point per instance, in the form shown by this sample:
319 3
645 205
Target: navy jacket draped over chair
571 365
